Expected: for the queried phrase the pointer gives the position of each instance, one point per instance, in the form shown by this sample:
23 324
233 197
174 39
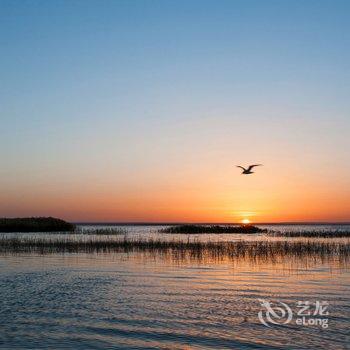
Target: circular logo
274 314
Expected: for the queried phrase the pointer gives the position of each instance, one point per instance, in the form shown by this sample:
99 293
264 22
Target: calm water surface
140 301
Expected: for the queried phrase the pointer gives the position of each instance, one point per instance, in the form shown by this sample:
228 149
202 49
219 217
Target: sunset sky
140 110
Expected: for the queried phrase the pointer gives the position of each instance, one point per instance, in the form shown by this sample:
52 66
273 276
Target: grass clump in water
312 234
197 229
104 231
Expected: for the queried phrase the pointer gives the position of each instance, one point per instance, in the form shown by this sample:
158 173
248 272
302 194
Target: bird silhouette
247 171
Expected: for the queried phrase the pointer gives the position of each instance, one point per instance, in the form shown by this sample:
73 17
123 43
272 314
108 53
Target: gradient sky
140 110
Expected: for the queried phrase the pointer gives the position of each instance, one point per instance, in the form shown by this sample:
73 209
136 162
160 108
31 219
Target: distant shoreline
205 223
35 224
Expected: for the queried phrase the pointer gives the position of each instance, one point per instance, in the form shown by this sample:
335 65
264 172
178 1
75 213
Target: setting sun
245 221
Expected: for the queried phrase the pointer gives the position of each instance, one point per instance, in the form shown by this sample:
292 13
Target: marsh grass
103 231
312 234
253 250
197 229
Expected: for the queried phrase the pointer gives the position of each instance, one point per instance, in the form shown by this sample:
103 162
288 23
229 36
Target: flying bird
247 171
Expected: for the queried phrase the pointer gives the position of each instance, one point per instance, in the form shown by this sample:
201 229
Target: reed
238 249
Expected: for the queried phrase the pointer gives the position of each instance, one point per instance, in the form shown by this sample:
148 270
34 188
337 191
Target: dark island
35 224
187 229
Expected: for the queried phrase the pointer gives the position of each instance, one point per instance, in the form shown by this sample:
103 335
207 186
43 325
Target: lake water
142 301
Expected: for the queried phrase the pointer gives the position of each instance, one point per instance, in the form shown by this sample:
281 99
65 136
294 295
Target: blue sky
125 96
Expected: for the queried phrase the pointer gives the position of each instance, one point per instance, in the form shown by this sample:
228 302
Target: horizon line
153 223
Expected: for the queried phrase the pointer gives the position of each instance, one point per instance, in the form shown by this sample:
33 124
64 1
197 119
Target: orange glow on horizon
202 193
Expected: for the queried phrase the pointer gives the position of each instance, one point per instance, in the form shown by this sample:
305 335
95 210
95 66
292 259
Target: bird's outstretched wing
252 166
238 166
